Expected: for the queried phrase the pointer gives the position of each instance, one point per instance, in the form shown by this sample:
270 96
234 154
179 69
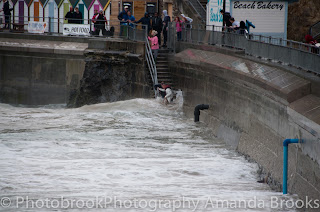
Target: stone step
162 61
166 51
162 66
160 73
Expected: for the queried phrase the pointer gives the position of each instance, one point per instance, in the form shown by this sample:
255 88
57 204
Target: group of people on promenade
231 25
74 16
156 23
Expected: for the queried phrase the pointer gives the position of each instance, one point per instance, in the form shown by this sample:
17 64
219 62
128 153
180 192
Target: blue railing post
285 162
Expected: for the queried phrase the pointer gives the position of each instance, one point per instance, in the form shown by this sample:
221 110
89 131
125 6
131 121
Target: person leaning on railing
123 18
145 21
226 20
7 13
310 40
131 19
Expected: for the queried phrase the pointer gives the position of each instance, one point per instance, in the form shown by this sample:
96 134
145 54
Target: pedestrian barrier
288 52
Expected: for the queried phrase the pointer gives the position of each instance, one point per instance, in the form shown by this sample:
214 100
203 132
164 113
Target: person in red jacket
100 22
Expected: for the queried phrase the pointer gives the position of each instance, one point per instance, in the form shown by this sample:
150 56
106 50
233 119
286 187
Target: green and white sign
214 16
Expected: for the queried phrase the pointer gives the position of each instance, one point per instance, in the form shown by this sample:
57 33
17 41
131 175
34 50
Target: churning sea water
135 155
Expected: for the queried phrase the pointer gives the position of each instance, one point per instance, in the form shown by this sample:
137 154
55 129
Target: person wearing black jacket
145 21
100 23
77 15
157 26
69 16
166 21
7 13
226 19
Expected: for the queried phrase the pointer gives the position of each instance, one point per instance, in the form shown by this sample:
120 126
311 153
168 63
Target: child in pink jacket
178 27
154 44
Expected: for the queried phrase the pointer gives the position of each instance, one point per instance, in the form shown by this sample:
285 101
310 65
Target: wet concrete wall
39 70
252 109
38 78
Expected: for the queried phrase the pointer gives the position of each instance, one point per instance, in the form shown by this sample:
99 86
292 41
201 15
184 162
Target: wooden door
66 9
36 11
81 9
51 15
21 12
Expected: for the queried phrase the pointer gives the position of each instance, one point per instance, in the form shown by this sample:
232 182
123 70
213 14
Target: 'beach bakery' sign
269 17
260 5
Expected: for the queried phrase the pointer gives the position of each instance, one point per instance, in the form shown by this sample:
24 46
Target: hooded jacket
145 21
166 18
6 8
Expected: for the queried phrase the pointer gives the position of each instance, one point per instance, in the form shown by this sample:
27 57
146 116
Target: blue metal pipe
285 162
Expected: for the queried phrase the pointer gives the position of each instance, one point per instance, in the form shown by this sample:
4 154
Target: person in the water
166 89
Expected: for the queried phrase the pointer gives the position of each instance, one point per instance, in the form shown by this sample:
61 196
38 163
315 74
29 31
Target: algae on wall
111 76
301 16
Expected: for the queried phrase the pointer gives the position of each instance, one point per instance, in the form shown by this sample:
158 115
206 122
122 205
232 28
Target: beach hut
36 10
94 5
106 8
20 12
83 8
51 10
63 9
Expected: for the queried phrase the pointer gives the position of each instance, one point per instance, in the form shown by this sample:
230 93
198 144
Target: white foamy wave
136 149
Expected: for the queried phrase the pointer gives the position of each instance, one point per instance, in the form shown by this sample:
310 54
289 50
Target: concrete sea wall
39 70
253 108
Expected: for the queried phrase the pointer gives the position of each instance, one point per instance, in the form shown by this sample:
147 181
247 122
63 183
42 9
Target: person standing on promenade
166 21
178 28
154 44
69 16
157 25
7 14
77 15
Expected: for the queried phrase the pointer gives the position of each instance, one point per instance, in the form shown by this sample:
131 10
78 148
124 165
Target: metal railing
55 27
197 6
151 65
314 30
130 31
297 54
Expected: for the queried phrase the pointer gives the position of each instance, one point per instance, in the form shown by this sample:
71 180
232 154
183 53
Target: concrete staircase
204 4
164 75
199 9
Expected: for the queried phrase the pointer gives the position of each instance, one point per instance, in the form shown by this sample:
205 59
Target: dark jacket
101 22
145 21
69 16
6 9
123 15
156 23
226 19
77 16
166 21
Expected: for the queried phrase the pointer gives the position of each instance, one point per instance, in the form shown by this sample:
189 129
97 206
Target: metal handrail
272 41
195 9
151 65
301 55
315 35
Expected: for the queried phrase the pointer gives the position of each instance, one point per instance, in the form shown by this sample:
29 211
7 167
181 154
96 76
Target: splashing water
135 155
